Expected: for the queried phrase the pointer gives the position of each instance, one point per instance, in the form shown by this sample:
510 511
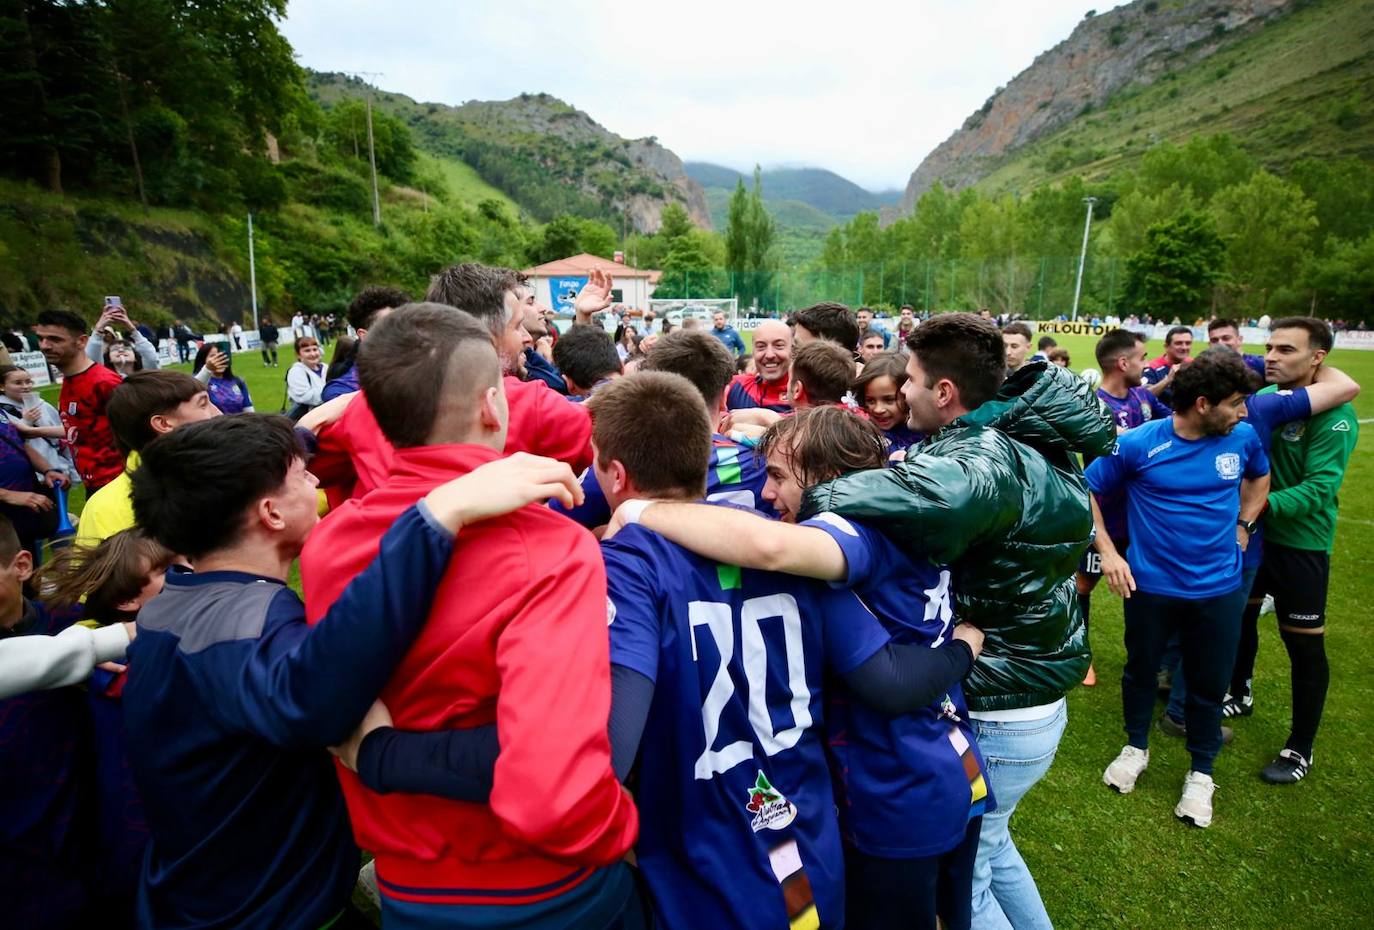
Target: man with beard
1194 483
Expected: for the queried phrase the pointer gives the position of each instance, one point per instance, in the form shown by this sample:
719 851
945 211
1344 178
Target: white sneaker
1195 805
1125 769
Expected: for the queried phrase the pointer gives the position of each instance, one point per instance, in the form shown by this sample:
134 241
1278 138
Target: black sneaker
1242 706
1288 768
1171 727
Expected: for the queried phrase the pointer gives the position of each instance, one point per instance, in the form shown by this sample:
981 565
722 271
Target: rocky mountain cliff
1134 44
548 156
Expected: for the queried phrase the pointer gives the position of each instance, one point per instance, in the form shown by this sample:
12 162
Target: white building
556 283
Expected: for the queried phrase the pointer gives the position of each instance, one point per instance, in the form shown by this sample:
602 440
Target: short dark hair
1018 329
586 355
1215 374
873 334
1115 344
822 443
1222 322
965 348
371 300
421 359
1318 331
476 289
1176 331
193 485
657 426
699 357
142 396
825 368
1045 342
10 545
64 318
1057 353
832 321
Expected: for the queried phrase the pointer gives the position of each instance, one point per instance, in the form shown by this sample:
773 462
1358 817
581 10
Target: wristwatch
1250 525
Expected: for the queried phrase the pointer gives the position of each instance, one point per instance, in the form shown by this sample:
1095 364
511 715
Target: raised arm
1330 388
738 537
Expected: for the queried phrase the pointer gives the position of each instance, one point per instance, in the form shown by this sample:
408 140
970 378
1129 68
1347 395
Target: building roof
579 265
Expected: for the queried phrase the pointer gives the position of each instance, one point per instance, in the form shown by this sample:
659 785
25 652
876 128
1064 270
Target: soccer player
734 475
587 359
1309 461
86 389
1121 356
871 343
767 386
1193 482
1042 349
1226 333
231 698
1016 338
822 372
367 309
832 321
912 787
514 637
1159 373
993 496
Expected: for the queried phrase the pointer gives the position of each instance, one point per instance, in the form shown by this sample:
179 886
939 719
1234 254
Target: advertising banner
563 292
35 364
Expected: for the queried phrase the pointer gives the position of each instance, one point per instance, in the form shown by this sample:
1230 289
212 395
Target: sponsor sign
35 364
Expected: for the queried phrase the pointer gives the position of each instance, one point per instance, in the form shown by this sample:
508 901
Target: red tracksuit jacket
354 456
517 635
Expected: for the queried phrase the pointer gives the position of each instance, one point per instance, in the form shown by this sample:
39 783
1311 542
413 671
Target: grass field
1301 856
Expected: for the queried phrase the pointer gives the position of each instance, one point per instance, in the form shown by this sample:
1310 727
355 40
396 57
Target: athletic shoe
1125 769
1195 804
1171 727
1090 679
1287 769
1242 706
1268 606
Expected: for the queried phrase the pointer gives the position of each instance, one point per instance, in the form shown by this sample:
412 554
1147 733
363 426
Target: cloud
863 88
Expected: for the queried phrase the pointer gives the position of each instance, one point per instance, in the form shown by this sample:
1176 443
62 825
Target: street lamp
1083 255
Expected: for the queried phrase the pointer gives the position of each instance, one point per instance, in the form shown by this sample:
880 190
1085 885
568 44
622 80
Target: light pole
252 271
1083 255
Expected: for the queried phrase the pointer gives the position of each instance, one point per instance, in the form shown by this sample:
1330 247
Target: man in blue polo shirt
727 335
1195 483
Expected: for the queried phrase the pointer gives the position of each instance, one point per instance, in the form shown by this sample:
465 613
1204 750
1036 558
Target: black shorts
1090 566
1297 578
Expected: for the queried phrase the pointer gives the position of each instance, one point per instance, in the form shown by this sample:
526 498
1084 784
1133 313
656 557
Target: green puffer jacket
998 496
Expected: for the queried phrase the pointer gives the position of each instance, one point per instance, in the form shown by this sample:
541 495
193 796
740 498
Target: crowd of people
629 629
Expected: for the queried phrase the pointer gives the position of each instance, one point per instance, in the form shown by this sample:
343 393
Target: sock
1310 676
1246 650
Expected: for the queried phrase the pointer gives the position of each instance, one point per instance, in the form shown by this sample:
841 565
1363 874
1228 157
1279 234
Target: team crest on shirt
1146 411
1294 431
1228 466
610 611
771 810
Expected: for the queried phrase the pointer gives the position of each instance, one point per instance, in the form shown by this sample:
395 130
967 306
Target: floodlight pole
252 271
372 159
1082 256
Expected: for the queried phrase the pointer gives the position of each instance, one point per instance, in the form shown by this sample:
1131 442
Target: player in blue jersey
735 475
1224 333
1194 483
911 787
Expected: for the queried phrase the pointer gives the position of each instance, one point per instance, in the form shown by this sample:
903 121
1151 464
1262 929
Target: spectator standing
182 335
236 336
268 335
228 391
723 331
123 357
36 419
86 389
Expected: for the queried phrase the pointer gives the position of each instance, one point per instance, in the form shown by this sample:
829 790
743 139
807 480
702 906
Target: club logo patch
771 810
610 611
1228 466
1294 431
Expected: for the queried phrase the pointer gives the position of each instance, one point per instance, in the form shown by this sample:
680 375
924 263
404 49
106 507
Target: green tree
749 243
1268 225
1341 282
1175 272
345 132
1205 164
674 221
1342 193
1138 211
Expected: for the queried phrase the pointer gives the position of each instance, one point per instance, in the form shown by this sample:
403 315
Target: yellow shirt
109 510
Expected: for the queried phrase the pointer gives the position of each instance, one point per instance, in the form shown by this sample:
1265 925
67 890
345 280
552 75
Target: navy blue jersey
736 476
908 784
737 812
1183 498
1266 413
900 438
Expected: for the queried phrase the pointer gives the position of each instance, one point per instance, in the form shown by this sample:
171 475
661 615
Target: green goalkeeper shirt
1307 462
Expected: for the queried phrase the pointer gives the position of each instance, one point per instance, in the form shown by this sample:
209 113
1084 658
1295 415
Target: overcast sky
863 88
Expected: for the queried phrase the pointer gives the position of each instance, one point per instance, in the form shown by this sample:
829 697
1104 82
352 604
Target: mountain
546 155
1286 78
825 191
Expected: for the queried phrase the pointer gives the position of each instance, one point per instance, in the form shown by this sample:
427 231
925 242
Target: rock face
1138 42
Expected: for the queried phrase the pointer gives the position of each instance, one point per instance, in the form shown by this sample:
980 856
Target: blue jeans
1017 756
1178 693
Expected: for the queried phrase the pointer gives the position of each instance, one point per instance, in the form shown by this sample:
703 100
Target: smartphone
113 301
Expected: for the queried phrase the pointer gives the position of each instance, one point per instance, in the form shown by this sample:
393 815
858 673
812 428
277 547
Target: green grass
465 185
1299 87
1274 857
